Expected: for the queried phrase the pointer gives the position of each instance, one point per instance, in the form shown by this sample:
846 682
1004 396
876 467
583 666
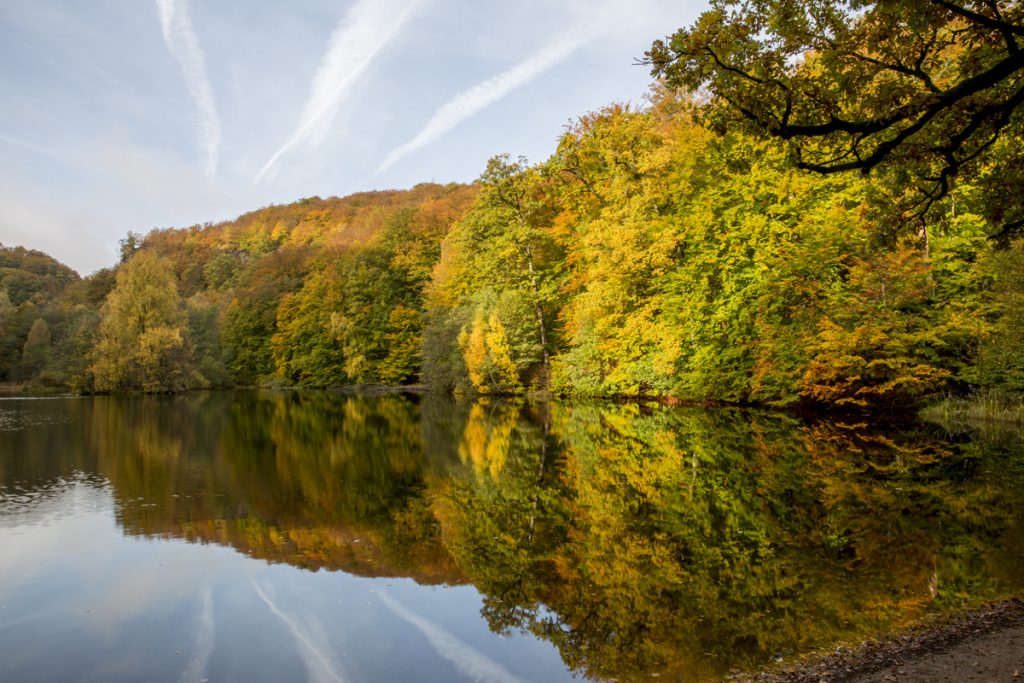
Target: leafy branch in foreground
927 88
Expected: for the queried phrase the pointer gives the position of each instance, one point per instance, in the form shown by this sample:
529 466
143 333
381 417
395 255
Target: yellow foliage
487 355
474 352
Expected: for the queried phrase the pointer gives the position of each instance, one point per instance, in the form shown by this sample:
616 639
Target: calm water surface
274 536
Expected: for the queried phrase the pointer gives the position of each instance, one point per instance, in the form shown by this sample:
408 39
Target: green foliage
698 263
142 339
305 350
651 255
883 342
1000 357
402 339
221 271
204 312
704 267
928 89
8 334
502 256
358 317
29 275
444 368
74 349
250 318
37 350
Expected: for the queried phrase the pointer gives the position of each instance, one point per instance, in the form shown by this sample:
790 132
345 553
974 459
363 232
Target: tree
8 333
927 88
1000 356
305 350
36 352
503 258
357 317
249 320
142 341
204 312
618 169
128 245
884 341
510 209
487 355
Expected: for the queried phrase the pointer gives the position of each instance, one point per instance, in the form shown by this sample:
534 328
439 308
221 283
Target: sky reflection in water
301 536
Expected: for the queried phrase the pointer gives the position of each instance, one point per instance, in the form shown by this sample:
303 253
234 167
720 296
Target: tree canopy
670 250
929 88
142 339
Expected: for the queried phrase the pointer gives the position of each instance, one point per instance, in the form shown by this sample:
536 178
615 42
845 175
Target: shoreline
982 644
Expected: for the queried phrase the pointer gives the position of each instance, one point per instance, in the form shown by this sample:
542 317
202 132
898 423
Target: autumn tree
250 318
37 350
927 89
883 342
697 262
487 354
358 317
516 216
616 169
8 334
1000 358
142 339
499 262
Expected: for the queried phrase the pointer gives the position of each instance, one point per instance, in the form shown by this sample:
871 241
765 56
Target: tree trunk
538 309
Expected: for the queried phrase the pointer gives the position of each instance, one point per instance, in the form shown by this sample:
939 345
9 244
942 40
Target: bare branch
981 19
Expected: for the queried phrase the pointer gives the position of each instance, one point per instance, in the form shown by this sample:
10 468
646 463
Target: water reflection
696 541
316 480
633 539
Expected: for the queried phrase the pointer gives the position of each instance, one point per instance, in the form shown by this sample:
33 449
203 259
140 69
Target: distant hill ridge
332 222
229 279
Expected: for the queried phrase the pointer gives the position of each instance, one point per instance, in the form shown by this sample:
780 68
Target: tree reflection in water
635 538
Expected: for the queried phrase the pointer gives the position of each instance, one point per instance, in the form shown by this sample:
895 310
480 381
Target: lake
289 536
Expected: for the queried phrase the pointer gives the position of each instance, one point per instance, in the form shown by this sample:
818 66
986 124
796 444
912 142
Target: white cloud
127 187
467 659
368 27
320 660
206 632
470 101
32 218
183 45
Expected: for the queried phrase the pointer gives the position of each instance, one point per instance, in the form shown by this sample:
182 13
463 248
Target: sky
129 115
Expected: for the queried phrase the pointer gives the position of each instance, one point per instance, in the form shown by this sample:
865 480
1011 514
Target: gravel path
983 646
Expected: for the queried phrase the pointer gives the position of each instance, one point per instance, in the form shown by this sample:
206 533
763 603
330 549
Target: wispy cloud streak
467 659
319 665
183 45
470 101
205 634
368 27
35 149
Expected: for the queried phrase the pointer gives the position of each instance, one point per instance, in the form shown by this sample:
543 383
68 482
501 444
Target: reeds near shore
984 407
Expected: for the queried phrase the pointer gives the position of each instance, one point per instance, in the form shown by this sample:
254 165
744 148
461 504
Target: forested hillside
657 257
221 305
720 247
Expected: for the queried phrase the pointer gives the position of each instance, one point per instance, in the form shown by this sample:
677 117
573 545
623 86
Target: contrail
470 101
318 665
36 149
184 47
367 28
467 659
204 642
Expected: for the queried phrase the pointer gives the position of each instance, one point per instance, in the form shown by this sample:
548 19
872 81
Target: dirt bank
983 645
